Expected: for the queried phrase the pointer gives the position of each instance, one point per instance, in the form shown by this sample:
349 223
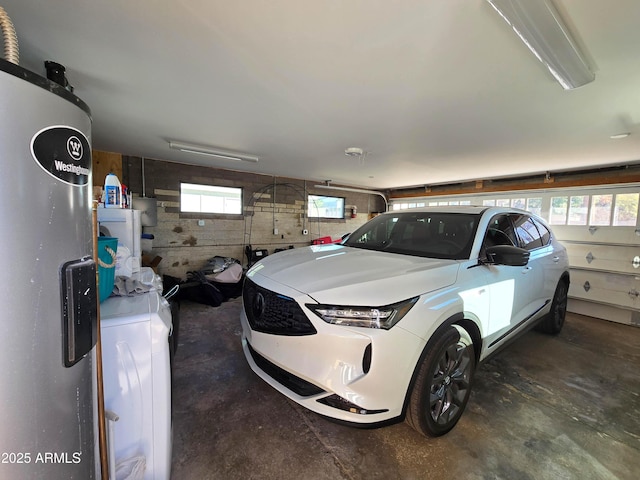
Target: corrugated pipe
11 52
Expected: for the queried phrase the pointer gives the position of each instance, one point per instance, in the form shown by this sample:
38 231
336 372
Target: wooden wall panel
104 163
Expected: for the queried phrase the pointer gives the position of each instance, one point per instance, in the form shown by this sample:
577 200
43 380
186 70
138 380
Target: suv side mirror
507 255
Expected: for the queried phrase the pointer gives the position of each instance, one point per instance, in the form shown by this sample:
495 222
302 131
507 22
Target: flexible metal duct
11 52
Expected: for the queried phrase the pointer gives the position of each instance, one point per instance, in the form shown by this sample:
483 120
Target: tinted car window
527 232
500 232
424 234
545 234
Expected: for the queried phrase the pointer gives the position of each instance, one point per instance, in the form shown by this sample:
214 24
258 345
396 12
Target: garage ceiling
433 91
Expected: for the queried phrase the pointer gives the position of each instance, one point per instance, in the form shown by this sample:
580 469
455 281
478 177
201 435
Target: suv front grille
269 312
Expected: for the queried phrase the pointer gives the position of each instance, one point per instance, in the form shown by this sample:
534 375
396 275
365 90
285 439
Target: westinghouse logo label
64 153
74 147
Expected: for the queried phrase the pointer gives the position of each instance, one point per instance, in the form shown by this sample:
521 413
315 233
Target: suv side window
527 231
545 234
500 232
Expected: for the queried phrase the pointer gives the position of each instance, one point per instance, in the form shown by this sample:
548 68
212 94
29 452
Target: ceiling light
540 27
212 152
620 135
353 152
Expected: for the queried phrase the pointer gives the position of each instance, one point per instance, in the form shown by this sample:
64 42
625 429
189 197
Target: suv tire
443 383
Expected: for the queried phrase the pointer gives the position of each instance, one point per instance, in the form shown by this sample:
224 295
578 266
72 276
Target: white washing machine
137 383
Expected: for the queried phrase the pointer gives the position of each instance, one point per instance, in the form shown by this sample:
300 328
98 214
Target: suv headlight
370 317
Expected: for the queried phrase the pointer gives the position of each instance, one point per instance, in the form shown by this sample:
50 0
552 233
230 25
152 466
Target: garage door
599 227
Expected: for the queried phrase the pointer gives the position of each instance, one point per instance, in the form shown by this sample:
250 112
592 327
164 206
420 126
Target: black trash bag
168 283
229 290
200 290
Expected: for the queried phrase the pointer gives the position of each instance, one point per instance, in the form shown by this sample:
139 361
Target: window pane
578 208
534 205
500 232
488 203
211 204
503 202
210 199
545 234
189 203
326 207
558 213
518 203
528 233
601 210
626 211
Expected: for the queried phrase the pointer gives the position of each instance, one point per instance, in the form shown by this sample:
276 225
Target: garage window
534 205
558 213
518 203
210 199
325 207
601 209
578 210
626 209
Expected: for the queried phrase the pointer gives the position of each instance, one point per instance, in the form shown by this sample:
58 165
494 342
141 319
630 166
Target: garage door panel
617 235
612 258
609 288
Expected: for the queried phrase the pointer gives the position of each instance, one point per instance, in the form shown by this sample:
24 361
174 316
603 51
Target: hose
11 52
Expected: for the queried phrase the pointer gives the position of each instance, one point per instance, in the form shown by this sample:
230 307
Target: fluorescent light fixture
618 136
540 27
356 190
212 152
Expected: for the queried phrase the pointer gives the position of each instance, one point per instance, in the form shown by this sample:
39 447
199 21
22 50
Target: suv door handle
556 259
526 269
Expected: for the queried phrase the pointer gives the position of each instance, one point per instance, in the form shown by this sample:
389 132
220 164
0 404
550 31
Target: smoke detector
353 152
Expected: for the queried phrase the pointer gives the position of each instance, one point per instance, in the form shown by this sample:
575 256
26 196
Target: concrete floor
565 407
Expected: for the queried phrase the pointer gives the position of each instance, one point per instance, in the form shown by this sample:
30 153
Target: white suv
391 323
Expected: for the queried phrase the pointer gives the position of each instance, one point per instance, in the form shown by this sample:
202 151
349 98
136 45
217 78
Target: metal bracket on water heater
79 309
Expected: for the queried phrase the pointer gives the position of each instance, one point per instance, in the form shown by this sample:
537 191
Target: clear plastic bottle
113 192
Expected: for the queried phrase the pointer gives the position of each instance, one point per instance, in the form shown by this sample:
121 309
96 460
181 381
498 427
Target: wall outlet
305 232
275 231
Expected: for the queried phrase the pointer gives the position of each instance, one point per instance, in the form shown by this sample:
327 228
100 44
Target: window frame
201 213
311 214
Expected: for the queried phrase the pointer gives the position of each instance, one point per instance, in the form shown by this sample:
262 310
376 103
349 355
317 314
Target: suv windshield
423 234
